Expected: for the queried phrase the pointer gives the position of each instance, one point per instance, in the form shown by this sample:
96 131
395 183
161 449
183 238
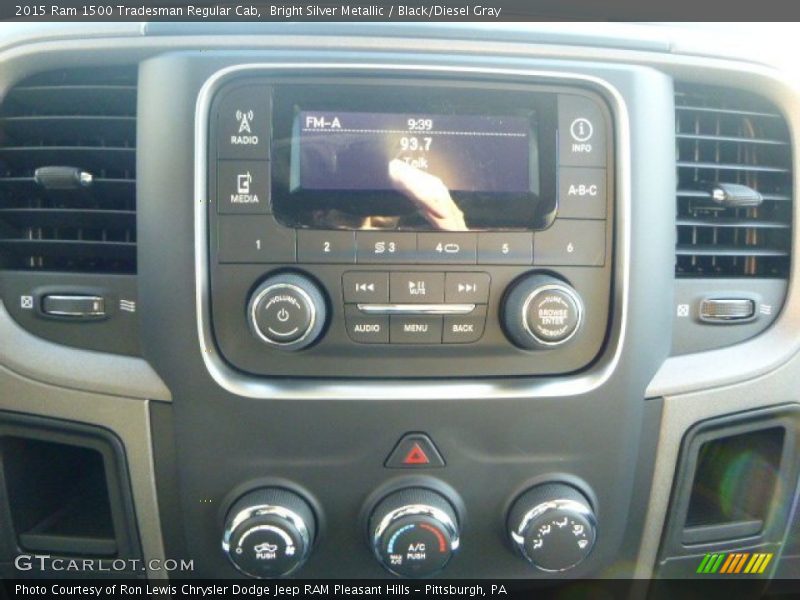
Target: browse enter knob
541 311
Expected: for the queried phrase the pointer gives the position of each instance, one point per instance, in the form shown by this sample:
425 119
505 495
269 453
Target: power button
286 311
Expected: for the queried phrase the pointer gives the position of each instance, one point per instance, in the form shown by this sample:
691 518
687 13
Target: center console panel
305 455
412 208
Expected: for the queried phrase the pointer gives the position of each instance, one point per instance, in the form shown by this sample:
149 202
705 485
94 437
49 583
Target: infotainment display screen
407 157
364 151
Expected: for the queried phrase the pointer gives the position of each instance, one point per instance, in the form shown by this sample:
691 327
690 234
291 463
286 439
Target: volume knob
287 311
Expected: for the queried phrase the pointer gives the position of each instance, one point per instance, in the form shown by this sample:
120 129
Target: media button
505 248
447 248
386 247
366 329
326 246
581 131
464 329
243 187
243 123
416 287
581 193
466 288
415 329
571 242
365 287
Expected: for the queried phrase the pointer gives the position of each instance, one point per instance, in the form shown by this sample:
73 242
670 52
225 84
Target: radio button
326 246
380 247
415 330
505 248
416 287
581 129
366 329
254 239
365 287
581 193
464 329
447 248
243 123
571 242
471 288
243 187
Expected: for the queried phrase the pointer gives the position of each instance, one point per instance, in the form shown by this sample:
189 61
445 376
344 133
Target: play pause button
472 288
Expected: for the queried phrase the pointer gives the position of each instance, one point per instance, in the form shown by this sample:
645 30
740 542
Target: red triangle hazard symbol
416 456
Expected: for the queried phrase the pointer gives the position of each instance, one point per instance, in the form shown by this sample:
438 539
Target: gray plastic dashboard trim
128 418
254 387
47 362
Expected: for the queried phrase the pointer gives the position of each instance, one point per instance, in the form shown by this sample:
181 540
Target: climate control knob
553 527
287 311
541 311
269 533
414 532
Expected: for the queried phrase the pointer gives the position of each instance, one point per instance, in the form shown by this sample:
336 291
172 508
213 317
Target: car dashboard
398 300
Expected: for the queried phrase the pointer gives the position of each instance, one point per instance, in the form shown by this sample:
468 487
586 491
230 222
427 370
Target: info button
581 132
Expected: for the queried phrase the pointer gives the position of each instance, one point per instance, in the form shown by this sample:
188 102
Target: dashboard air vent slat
727 136
84 119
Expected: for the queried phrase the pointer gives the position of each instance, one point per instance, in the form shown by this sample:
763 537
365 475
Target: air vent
734 198
83 121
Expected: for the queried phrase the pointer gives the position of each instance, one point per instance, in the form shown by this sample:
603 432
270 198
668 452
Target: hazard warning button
414 451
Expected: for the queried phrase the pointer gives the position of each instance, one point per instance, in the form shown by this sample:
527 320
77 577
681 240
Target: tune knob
553 527
269 533
287 311
414 532
541 311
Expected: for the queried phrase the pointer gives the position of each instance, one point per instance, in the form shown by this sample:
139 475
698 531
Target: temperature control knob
541 311
414 532
269 533
287 311
553 527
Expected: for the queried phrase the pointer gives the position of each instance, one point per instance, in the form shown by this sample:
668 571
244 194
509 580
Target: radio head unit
407 226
